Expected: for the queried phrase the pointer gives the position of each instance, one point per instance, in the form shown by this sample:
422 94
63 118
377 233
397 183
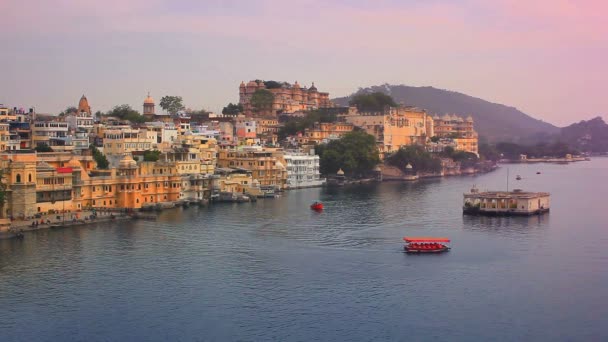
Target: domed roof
74 163
296 85
127 162
44 166
408 166
252 84
445 117
469 119
149 100
312 87
340 172
242 84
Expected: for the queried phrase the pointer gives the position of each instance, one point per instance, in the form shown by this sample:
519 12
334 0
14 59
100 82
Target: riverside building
302 170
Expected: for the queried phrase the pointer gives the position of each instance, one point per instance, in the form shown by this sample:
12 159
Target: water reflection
506 224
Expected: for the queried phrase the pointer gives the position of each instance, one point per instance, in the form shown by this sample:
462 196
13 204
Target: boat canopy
409 239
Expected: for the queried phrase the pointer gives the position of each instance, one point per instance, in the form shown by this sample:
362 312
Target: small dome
127 162
469 119
296 85
242 84
73 163
340 172
312 87
252 84
149 100
44 166
408 166
446 117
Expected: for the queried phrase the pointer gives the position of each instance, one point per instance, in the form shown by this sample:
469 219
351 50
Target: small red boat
426 245
316 206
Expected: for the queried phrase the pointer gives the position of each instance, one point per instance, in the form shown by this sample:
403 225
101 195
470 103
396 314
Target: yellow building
324 131
396 127
60 182
460 130
265 167
120 141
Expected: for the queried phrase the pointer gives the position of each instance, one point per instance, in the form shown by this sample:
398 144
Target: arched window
18 178
137 200
29 178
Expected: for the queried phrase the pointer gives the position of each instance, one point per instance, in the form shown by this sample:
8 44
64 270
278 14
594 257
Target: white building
303 170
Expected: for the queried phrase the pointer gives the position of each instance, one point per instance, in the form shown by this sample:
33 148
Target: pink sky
546 58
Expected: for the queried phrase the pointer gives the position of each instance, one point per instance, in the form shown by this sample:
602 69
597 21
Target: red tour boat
316 206
425 245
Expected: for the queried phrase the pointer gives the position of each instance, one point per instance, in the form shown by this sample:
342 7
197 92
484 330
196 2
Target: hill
587 136
495 122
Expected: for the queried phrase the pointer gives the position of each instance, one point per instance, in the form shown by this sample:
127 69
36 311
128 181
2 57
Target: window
18 178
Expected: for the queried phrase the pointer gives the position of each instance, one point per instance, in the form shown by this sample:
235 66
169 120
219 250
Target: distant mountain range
494 122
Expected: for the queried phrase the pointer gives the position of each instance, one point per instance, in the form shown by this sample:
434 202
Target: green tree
299 124
172 104
43 148
125 112
232 109
151 155
100 158
355 153
261 100
417 157
272 84
71 110
372 102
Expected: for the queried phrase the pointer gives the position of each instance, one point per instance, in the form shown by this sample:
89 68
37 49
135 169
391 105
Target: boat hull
425 251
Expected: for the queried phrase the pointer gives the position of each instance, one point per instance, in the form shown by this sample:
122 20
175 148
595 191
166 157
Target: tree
299 124
125 112
172 104
43 148
355 153
100 158
232 109
71 110
272 84
151 155
372 102
261 100
417 157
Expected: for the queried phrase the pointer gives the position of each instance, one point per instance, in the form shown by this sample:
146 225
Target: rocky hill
587 136
494 122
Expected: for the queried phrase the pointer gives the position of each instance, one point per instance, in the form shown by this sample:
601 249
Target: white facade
302 170
82 120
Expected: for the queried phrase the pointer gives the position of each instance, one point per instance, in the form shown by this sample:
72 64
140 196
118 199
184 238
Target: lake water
275 270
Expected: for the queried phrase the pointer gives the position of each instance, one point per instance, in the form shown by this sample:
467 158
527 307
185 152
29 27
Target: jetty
506 203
